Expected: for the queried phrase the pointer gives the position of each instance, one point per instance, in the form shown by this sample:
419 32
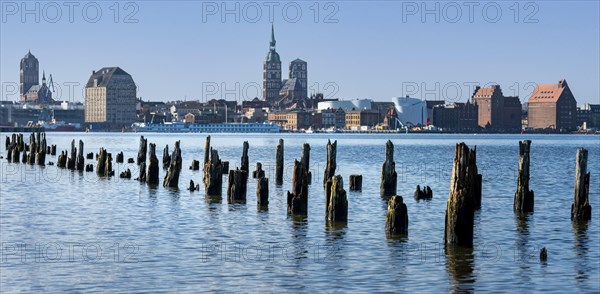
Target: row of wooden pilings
464 197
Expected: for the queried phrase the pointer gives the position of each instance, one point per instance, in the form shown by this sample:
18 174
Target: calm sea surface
72 231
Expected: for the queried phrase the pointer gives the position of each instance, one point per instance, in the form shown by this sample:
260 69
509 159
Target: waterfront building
110 98
272 72
292 120
552 106
29 75
588 116
361 118
456 116
411 111
495 111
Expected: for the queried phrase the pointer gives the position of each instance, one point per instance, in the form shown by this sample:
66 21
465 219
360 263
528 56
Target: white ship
180 127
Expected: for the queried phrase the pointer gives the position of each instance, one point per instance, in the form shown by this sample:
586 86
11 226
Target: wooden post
425 193
32 149
142 177
225 167
245 166
153 167
89 167
388 172
298 199
61 161
142 150
581 208
262 193
125 174
120 158
72 156
355 182
100 164
40 157
195 165
80 161
235 186
279 163
259 172
305 160
331 161
25 158
7 142
166 159
171 179
460 208
213 175
53 150
109 170
396 219
523 201
193 187
207 151
337 209
90 155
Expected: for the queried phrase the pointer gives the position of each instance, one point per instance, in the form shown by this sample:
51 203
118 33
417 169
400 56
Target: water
70 231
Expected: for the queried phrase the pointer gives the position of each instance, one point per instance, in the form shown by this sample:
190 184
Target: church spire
272 43
43 77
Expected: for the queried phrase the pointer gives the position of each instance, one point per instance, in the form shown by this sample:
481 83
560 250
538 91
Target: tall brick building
110 98
552 106
496 111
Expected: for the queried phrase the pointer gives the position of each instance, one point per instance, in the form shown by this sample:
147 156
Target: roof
298 60
512 101
273 56
548 93
104 75
486 92
290 84
28 55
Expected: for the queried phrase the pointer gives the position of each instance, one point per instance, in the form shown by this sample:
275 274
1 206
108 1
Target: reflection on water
581 248
459 264
335 230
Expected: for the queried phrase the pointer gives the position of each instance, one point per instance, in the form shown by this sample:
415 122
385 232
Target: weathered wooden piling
396 219
259 172
279 163
225 167
581 208
53 150
32 149
460 208
80 161
7 142
213 175
16 152
130 160
172 177
207 151
61 161
72 156
297 200
331 161
142 150
100 163
235 186
48 150
193 187
195 165
166 158
245 166
109 170
125 174
90 155
89 167
153 167
523 201
120 158
543 254
262 192
355 182
142 174
305 160
40 156
424 193
337 209
26 157
389 177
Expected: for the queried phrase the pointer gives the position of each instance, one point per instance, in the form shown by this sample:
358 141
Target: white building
411 111
346 105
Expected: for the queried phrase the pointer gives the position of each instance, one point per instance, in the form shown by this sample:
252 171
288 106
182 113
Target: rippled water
70 231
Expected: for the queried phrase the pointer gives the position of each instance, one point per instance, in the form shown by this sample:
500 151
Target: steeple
43 77
272 43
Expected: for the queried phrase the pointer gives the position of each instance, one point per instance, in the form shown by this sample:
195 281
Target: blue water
72 231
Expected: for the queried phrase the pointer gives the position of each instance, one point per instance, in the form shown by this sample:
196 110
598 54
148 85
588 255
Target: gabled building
552 106
495 111
110 98
29 75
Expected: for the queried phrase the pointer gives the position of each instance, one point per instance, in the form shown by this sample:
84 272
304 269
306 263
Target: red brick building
552 106
495 111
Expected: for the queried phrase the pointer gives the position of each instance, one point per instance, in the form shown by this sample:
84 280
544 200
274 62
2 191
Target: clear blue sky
376 49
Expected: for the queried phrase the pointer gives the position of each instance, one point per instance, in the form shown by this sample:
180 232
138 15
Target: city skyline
374 67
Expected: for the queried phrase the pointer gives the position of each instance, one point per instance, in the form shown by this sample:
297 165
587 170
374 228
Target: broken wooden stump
120 158
259 172
389 176
337 209
305 160
101 162
193 187
195 165
172 177
213 175
142 150
523 201
72 156
424 193
262 193
581 210
543 254
89 167
7 142
153 167
396 219
460 208
125 174
40 156
48 150
297 200
245 166
53 150
109 170
130 160
61 161
25 157
142 174
355 182
80 161
279 163
235 186
207 151
166 159
32 150
331 161
225 167
90 155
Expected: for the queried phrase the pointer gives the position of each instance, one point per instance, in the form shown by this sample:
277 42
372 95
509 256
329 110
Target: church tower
272 72
29 74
